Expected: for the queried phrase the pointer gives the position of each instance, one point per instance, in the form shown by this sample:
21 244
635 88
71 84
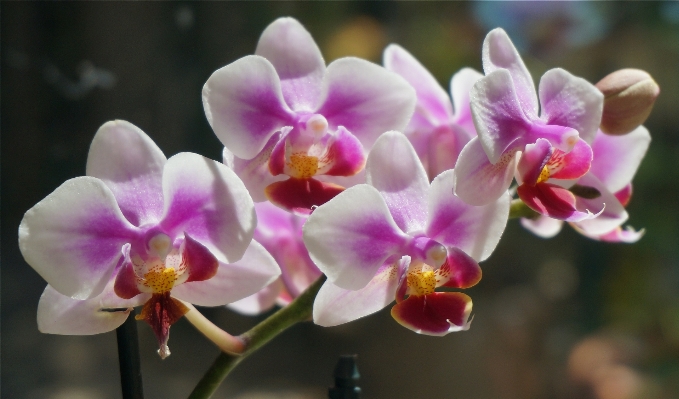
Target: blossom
615 162
505 111
293 129
280 232
141 229
399 235
436 131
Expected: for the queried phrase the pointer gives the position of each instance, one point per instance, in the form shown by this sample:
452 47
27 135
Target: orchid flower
293 129
554 144
280 232
437 132
142 229
399 235
615 162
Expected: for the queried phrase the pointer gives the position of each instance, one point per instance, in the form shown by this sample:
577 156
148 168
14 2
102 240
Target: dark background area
545 310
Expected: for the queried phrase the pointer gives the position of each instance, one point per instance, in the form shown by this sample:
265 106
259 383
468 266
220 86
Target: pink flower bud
629 95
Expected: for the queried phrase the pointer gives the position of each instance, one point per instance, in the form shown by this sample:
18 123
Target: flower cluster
317 178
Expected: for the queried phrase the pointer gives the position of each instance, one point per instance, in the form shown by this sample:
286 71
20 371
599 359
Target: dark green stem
298 310
518 209
128 358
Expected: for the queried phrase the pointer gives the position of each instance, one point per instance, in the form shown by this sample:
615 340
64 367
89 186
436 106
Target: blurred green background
560 318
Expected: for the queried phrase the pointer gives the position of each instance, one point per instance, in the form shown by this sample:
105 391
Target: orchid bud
629 95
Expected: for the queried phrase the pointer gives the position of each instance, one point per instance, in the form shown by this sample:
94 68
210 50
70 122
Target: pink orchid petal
60 314
298 61
499 53
477 180
335 305
575 163
260 302
460 269
500 120
617 158
443 149
366 99
244 105
352 235
206 200
255 172
275 225
460 86
74 236
345 156
611 212
476 230
553 201
301 195
280 232
131 165
570 101
543 226
433 103
233 281
435 314
533 160
394 169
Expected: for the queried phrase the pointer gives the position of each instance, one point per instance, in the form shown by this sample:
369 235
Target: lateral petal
350 237
571 101
476 230
74 236
206 200
366 99
244 104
